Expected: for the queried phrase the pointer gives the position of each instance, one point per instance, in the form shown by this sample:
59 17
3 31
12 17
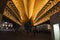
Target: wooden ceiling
38 11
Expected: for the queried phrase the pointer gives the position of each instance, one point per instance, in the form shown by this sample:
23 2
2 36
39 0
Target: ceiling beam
25 2
31 7
10 5
47 17
8 15
20 6
39 4
48 7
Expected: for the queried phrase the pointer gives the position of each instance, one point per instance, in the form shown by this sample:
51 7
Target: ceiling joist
8 15
46 9
47 17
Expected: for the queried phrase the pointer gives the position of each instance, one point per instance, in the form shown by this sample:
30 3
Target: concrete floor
24 36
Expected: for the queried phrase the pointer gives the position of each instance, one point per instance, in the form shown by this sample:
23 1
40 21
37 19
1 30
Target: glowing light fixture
56 31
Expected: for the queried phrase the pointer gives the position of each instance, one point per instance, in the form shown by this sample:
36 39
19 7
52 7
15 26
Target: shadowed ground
24 36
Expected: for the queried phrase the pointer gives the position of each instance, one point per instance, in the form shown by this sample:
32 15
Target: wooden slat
39 4
13 10
49 7
47 17
20 6
7 14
